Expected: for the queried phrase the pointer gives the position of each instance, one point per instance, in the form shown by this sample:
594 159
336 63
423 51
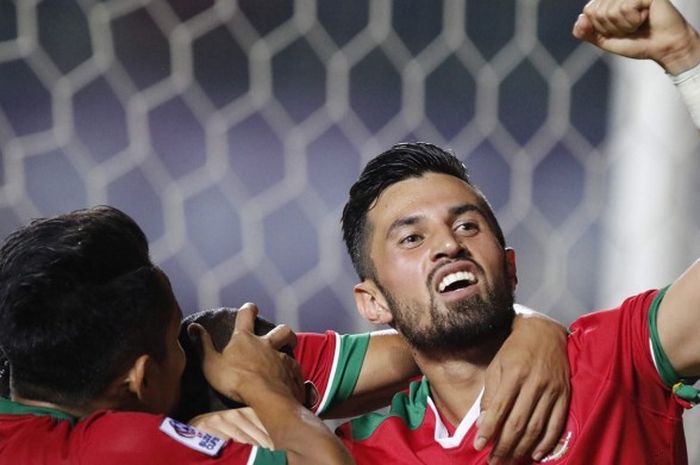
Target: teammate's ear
137 378
371 303
511 267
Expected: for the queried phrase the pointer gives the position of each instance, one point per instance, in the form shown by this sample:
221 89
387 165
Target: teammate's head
429 251
81 305
400 162
197 396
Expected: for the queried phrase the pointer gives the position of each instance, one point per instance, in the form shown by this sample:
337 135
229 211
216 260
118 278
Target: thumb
584 30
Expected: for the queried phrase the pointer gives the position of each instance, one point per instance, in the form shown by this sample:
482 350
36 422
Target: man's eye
468 227
410 240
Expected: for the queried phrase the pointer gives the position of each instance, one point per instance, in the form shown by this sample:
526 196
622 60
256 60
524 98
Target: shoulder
631 313
141 438
407 411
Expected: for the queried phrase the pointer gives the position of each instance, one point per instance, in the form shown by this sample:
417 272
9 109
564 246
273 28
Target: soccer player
434 264
90 329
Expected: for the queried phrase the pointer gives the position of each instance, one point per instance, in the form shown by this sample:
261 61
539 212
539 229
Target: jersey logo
566 442
560 449
191 437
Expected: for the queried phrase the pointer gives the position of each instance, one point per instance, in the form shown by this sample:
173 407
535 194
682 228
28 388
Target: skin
271 384
655 30
422 229
641 29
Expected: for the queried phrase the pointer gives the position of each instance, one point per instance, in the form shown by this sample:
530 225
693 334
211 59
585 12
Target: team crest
561 450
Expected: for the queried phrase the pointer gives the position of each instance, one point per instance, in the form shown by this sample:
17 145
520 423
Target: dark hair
400 162
79 301
196 395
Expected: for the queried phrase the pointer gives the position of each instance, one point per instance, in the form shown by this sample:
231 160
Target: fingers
555 427
201 338
534 430
494 411
280 336
514 428
583 28
615 18
295 380
242 425
245 318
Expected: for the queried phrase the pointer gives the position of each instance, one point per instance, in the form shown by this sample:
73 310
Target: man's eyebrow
464 208
414 219
404 221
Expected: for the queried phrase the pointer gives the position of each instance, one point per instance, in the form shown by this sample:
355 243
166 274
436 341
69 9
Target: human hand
250 364
525 402
240 424
652 29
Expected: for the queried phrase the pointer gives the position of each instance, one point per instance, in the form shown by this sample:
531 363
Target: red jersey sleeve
615 345
332 362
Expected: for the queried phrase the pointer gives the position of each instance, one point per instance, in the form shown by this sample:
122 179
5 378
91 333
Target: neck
72 411
112 399
456 379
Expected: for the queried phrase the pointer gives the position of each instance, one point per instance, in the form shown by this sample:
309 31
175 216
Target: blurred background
232 131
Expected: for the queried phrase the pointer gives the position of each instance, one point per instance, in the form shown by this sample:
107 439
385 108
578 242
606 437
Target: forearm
297 431
388 361
387 368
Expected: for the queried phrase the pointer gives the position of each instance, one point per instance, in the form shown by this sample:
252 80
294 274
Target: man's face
167 372
447 281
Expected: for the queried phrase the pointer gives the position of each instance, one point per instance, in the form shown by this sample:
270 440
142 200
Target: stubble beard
458 327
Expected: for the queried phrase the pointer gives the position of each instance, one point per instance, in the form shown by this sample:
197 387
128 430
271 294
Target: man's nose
446 245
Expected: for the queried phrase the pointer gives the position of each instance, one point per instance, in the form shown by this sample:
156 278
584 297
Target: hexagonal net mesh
231 131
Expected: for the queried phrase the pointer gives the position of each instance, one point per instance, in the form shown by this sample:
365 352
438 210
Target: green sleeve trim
350 356
9 407
682 387
268 457
409 407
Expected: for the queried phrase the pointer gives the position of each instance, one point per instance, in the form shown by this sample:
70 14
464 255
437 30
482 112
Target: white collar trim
442 437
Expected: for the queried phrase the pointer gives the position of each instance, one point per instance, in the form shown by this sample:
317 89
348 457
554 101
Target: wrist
684 55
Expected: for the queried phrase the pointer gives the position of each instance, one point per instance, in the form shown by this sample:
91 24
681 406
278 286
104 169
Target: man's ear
511 267
371 303
138 378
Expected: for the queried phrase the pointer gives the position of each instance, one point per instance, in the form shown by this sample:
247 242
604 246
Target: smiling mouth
455 281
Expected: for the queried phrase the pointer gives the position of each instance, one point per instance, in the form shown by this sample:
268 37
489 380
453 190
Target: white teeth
454 277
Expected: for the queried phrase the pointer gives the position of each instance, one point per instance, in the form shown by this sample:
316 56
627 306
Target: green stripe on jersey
347 363
682 387
268 457
9 407
411 408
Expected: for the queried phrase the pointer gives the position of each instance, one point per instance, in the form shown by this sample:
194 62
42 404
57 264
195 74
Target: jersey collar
9 407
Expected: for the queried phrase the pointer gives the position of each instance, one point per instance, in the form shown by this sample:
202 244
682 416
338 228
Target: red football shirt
620 413
34 436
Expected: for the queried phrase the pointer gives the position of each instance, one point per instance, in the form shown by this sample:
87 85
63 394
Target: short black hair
80 300
400 162
196 395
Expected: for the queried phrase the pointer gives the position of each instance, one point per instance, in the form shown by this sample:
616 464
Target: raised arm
642 29
647 29
251 370
656 30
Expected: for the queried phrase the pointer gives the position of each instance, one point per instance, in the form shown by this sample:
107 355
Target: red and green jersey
621 412
37 436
